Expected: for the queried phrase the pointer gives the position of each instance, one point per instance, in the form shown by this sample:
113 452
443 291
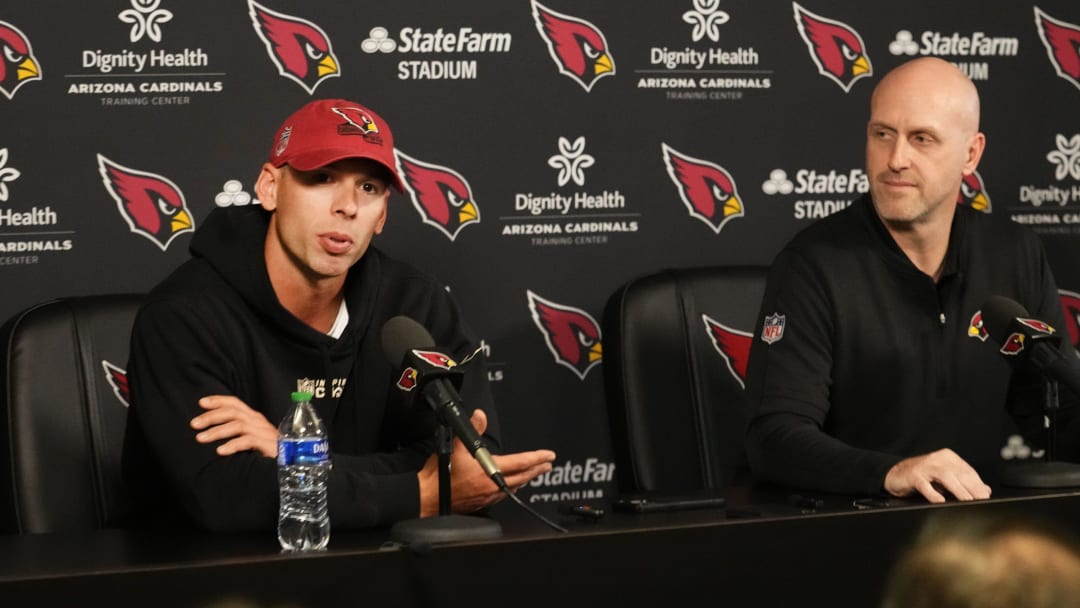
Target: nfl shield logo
773 329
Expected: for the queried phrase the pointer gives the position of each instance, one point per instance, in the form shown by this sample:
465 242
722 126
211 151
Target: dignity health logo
571 161
7 174
145 18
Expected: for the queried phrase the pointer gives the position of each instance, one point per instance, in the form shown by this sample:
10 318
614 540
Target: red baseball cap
329 130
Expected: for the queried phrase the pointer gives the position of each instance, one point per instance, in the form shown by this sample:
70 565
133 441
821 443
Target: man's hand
943 468
228 418
470 487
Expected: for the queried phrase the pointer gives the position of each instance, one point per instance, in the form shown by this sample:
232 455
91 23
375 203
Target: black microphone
1010 326
407 344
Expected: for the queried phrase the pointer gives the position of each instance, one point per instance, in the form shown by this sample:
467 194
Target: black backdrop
188 94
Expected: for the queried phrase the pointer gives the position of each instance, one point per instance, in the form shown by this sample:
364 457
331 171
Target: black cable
498 479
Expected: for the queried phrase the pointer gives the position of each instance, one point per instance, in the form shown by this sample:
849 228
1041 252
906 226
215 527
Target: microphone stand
446 526
1049 473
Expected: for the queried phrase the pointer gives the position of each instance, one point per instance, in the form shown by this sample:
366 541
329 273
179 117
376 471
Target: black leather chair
675 349
64 392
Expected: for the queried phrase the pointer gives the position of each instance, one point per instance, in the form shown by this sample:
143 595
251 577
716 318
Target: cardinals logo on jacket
976 329
18 65
837 49
577 47
732 344
299 48
151 204
973 193
707 190
441 195
1062 41
118 380
572 335
1070 305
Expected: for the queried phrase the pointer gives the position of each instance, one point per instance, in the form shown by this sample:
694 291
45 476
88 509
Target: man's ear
267 184
974 153
382 217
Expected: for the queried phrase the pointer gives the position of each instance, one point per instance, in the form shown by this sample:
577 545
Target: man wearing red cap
292 294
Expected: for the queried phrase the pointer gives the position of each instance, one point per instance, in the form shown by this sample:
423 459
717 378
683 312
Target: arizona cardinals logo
733 345
707 190
18 65
577 47
151 204
1013 345
1070 305
973 193
436 359
976 329
572 335
441 195
299 48
356 122
1041 327
837 49
1062 42
407 381
118 380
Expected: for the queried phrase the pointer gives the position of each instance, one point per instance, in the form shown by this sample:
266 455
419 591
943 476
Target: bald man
871 373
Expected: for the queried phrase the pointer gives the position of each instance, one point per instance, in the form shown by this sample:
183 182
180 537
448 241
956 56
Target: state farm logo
441 196
703 73
835 47
957 45
415 39
152 205
1061 39
577 217
706 189
577 47
820 193
571 334
18 65
145 17
299 48
1051 208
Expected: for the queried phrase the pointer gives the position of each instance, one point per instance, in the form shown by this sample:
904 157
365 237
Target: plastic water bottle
303 468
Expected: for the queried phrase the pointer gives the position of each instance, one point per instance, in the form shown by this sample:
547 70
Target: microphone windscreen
402 334
998 314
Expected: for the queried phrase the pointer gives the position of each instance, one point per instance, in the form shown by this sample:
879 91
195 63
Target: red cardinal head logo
707 190
407 380
1013 345
837 49
1062 41
118 380
1070 305
441 195
151 204
733 345
299 48
572 335
973 193
576 46
18 65
976 329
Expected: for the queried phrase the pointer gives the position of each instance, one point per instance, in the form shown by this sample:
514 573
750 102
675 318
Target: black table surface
766 547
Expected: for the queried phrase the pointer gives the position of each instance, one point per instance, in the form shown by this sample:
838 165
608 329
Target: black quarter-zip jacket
215 327
876 362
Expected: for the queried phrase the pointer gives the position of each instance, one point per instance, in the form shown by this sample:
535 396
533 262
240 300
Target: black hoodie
215 327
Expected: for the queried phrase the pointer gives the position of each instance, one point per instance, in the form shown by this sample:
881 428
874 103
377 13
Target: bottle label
305 451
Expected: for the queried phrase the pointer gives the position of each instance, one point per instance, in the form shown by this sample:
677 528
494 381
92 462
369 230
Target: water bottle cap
301 396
